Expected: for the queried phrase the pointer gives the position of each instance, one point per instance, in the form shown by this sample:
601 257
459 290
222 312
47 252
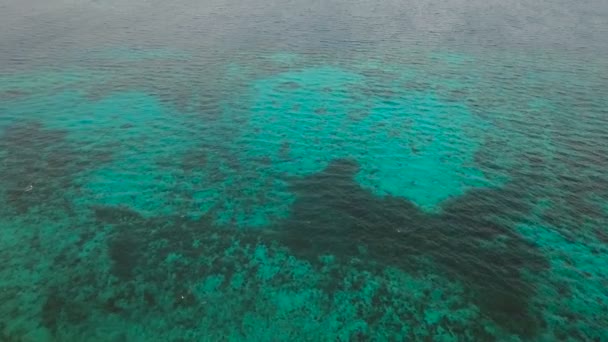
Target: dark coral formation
333 215
467 240
471 240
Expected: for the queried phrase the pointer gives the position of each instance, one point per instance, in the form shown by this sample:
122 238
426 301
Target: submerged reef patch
313 200
369 262
468 240
410 144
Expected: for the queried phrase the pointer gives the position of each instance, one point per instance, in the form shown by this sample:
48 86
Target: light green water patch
426 159
31 95
160 160
408 143
297 114
147 141
143 140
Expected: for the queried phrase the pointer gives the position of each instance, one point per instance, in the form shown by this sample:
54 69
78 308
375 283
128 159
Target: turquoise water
325 171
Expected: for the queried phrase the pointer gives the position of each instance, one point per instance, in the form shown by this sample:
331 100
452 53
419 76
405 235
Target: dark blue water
273 171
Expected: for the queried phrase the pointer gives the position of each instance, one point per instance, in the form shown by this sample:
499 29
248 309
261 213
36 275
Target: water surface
272 171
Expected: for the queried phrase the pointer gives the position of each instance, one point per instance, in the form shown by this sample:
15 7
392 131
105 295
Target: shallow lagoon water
303 171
